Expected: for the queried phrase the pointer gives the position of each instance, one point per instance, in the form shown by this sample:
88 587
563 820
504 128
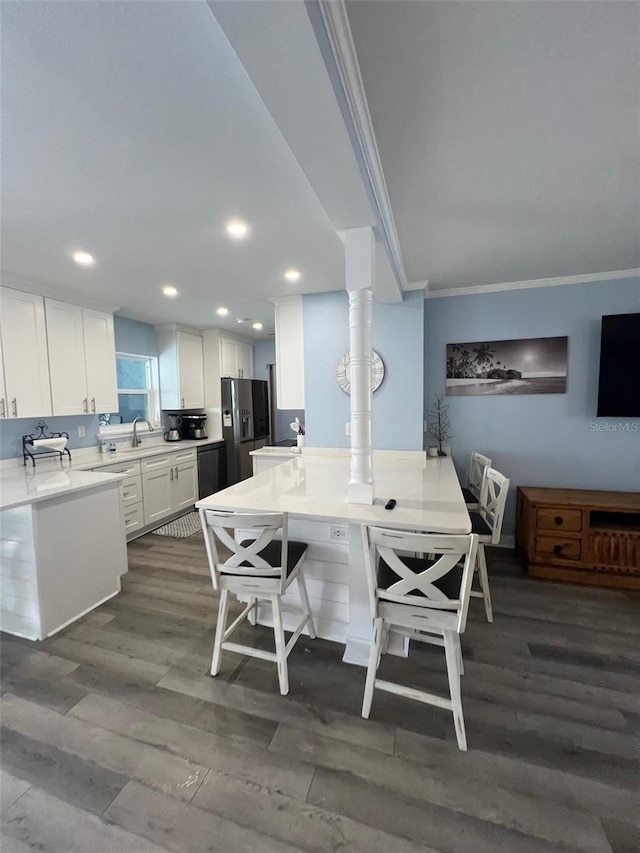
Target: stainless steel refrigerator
245 424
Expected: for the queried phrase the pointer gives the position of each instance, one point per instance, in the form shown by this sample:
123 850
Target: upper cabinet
24 355
82 359
289 352
236 358
181 365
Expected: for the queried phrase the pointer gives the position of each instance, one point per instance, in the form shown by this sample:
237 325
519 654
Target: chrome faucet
137 441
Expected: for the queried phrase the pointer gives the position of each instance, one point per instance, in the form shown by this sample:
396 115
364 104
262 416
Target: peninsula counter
312 489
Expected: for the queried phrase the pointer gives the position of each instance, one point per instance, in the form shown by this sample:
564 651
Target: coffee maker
173 433
193 427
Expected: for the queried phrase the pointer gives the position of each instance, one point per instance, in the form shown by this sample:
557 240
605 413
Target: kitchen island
62 546
312 489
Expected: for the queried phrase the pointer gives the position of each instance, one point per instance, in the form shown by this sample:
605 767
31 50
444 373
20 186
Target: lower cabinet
169 484
156 487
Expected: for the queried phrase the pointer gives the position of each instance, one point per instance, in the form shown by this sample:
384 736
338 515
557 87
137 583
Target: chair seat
273 555
479 525
469 497
449 584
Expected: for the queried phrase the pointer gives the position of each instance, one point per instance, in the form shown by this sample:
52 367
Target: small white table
312 489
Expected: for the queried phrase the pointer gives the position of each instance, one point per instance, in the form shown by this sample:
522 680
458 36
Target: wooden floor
115 738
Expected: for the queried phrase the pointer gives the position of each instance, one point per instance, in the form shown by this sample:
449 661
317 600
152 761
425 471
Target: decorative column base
360 493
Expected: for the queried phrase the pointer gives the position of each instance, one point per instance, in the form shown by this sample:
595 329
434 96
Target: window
137 396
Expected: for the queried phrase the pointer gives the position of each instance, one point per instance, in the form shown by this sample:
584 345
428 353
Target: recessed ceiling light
292 275
170 290
222 311
237 229
257 326
84 259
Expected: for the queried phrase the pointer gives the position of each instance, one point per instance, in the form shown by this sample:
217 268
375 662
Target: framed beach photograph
526 366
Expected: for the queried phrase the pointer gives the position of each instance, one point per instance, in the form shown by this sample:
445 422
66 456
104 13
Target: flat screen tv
619 385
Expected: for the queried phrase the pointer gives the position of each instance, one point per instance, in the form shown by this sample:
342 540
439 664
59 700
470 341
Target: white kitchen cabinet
181 365
24 354
169 484
236 358
185 485
289 352
100 360
157 494
3 392
82 359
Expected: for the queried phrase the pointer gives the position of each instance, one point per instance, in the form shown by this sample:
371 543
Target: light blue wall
11 432
397 333
538 439
131 337
264 354
134 338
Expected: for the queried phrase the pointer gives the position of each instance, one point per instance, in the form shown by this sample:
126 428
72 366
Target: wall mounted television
619 384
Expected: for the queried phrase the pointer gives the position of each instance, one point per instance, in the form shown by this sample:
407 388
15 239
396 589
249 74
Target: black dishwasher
212 476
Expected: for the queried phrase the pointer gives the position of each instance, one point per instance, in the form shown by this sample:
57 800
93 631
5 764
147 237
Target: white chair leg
220 628
453 673
278 631
304 597
253 615
484 582
459 651
374 659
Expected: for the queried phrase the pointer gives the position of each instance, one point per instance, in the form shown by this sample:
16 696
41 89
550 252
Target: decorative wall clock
343 372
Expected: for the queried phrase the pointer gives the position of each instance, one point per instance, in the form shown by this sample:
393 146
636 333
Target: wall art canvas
527 366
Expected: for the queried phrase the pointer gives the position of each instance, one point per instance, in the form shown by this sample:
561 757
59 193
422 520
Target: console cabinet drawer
557 550
559 518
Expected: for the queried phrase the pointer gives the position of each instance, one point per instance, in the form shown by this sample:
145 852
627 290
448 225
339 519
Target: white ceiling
509 134
131 130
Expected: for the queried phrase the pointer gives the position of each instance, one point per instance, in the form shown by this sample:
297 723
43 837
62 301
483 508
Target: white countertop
314 485
23 484
29 486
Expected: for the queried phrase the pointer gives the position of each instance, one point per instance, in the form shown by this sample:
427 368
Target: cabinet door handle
172 473
3 413
14 406
85 405
177 473
182 402
93 404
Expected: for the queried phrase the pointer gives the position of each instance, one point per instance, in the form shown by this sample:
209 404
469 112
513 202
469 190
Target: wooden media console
582 536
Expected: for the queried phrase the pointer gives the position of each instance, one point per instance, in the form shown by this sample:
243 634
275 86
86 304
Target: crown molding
338 30
54 291
294 299
587 278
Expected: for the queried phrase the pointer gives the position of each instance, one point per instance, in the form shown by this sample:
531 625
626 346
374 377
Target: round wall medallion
343 372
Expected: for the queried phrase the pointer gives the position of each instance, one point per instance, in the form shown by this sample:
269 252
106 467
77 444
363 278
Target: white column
359 244
361 481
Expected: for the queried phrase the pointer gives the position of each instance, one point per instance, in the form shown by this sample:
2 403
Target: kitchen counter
312 488
24 484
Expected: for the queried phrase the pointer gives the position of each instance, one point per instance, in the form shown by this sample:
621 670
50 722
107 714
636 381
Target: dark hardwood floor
115 738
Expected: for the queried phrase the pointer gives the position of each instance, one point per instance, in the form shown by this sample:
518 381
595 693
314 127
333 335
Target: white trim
587 278
336 21
55 291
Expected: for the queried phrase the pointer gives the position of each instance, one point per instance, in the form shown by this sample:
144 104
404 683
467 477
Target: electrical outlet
81 432
347 428
337 532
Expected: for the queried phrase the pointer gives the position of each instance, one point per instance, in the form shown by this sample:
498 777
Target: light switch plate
81 432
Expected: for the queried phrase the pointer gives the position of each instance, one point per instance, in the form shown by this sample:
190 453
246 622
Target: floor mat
182 527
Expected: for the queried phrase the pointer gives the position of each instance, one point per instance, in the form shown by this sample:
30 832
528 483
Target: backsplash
12 430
